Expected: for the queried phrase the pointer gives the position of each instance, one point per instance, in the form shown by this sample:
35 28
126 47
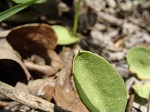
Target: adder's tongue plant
99 85
138 59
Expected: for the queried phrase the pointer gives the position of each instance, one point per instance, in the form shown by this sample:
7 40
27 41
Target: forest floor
109 28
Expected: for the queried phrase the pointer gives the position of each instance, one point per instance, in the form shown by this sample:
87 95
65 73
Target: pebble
140 107
23 107
116 56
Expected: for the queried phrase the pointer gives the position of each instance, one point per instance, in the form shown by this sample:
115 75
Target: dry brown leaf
12 68
35 42
33 39
46 92
42 87
21 86
65 96
56 61
43 69
31 36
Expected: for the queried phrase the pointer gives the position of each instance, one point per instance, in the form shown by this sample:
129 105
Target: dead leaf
56 61
35 43
32 35
21 86
12 68
42 87
32 39
46 92
43 69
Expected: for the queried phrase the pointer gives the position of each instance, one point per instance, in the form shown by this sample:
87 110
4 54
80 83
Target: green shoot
6 14
75 26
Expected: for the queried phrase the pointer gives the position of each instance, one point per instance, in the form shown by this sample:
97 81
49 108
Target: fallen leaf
12 68
22 87
46 92
33 38
43 69
36 40
42 87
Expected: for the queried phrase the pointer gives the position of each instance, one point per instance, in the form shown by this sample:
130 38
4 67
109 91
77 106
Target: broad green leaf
65 37
138 59
23 1
15 9
142 90
99 85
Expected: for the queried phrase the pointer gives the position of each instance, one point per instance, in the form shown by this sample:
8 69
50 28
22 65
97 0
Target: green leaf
99 85
138 59
142 90
4 15
65 37
23 1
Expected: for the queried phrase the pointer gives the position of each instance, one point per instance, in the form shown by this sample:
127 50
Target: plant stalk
15 9
76 17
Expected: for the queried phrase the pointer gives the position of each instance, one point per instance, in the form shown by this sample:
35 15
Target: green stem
4 15
76 17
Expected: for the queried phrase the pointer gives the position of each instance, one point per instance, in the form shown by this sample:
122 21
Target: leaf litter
118 27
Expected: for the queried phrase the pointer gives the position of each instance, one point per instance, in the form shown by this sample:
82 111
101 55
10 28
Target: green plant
22 4
65 36
76 17
142 90
99 85
138 59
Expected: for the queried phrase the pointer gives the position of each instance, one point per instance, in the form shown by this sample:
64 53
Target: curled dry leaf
32 36
65 96
47 70
42 87
36 39
12 68
56 61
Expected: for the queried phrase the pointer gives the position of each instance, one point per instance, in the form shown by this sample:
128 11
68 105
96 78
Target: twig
148 108
130 103
110 18
43 69
25 98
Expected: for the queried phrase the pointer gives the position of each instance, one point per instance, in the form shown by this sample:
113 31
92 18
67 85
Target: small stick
148 108
130 103
25 98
